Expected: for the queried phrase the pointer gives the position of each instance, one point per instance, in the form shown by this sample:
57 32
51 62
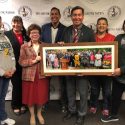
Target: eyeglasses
34 32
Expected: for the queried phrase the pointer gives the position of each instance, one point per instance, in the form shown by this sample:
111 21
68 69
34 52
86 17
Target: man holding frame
77 32
52 33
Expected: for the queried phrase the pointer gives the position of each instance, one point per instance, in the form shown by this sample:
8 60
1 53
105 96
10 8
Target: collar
79 27
57 26
30 44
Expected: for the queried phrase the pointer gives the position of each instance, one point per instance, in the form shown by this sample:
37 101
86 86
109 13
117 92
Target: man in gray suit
77 32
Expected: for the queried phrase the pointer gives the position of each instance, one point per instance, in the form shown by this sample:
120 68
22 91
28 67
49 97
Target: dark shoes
110 118
69 115
20 111
64 109
23 109
80 120
16 111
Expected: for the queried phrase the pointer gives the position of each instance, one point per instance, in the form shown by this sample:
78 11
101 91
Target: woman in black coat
17 37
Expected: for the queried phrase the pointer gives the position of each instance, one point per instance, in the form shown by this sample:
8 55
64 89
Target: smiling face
102 26
17 26
55 16
77 17
34 35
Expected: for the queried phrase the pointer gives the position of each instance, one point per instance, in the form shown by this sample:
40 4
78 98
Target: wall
37 11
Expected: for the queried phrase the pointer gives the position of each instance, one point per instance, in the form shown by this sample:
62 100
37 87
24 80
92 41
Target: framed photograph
87 58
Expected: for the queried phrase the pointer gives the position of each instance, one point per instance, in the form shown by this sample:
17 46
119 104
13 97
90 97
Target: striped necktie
75 35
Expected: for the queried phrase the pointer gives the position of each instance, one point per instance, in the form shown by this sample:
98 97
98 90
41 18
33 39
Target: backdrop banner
37 11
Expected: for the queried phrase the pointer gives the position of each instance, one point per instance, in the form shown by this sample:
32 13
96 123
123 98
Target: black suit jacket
86 34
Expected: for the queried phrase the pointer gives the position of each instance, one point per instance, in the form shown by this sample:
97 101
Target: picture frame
78 59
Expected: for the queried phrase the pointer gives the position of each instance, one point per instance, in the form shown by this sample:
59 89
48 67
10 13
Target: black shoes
23 109
64 109
16 112
80 120
69 115
110 118
20 111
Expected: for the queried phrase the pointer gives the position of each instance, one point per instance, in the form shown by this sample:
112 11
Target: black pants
63 91
97 83
117 91
17 89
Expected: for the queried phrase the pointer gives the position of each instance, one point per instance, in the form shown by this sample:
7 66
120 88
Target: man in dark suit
77 32
52 33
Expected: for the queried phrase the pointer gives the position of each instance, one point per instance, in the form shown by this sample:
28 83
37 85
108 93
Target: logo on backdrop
92 26
48 1
67 12
6 26
3 1
25 12
114 12
92 1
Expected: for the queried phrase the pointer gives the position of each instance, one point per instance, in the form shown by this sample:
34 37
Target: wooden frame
64 66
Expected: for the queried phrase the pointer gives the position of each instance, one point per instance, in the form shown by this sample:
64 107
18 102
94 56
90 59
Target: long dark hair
123 26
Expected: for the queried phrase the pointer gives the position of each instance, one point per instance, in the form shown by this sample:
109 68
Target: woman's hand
117 72
38 58
8 74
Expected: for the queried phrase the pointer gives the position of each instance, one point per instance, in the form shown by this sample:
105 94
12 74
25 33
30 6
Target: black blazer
86 34
121 57
46 33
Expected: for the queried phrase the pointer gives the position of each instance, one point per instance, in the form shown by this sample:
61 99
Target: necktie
75 35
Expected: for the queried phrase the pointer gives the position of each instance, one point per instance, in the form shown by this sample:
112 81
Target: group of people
21 63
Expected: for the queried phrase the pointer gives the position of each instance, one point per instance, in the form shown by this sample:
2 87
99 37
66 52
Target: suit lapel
58 34
49 34
82 33
70 34
57 39
31 48
14 39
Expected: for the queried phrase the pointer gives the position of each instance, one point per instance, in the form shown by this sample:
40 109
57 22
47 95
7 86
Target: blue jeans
4 82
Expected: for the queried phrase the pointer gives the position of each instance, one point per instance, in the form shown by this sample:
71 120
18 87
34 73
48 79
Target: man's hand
61 43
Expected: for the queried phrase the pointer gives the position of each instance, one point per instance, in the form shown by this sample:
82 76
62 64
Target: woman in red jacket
34 87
